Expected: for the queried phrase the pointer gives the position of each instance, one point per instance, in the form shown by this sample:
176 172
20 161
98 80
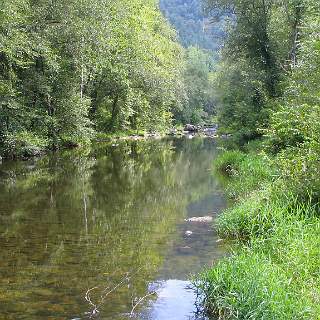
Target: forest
70 71
267 88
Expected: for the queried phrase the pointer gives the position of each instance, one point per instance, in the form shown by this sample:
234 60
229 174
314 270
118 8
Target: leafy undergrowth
274 273
23 145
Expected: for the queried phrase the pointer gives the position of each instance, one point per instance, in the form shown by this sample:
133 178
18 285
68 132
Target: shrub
24 144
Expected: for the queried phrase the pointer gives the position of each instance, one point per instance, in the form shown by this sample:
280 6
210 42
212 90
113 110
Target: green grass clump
260 213
247 172
274 272
229 162
275 277
252 216
250 285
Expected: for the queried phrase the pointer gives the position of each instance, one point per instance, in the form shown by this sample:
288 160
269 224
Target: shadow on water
104 235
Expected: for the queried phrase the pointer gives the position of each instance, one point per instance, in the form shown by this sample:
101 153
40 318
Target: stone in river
200 219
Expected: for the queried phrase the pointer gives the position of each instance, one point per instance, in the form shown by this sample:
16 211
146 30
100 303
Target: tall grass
247 173
275 272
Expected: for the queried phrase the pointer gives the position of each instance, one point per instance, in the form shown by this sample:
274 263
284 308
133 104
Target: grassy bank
274 270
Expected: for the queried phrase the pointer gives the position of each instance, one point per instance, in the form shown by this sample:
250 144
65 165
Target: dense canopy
70 69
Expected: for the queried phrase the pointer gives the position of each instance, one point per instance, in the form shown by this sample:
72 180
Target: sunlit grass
247 172
274 272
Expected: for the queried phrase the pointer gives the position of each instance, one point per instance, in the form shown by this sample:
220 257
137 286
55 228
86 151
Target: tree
68 69
198 77
259 51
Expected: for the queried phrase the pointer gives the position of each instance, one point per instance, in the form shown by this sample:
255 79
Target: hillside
193 27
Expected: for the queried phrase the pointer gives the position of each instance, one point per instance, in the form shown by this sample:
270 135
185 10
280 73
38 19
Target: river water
102 234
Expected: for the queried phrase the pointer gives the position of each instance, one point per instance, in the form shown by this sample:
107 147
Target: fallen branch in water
105 293
139 301
88 298
126 278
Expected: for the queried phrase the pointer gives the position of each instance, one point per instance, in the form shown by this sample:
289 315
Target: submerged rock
205 219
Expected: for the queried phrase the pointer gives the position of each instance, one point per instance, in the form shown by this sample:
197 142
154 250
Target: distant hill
193 27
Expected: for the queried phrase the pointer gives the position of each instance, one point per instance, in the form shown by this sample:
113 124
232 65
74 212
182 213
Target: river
102 234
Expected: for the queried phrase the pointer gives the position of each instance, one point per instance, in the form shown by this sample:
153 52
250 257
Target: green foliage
295 127
261 47
198 78
242 99
69 69
201 34
247 172
251 285
229 162
23 144
274 274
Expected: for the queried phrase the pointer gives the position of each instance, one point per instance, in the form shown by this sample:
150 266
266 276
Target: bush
23 144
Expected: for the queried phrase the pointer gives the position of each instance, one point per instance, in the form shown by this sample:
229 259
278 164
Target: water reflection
85 235
175 301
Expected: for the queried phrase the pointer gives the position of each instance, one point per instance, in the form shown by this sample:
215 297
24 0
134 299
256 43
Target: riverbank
273 272
26 145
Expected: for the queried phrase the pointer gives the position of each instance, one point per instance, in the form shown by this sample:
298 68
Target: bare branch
139 302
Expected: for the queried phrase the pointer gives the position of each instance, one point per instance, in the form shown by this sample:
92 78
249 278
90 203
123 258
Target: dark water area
102 234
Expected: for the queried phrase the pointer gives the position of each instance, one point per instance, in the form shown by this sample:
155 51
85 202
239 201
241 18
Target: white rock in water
200 219
188 233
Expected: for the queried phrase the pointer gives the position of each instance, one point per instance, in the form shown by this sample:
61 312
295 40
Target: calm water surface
103 235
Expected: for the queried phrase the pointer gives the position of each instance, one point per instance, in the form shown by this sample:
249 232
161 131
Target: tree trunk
295 35
114 112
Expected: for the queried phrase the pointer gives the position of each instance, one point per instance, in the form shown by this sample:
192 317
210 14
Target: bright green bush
24 144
